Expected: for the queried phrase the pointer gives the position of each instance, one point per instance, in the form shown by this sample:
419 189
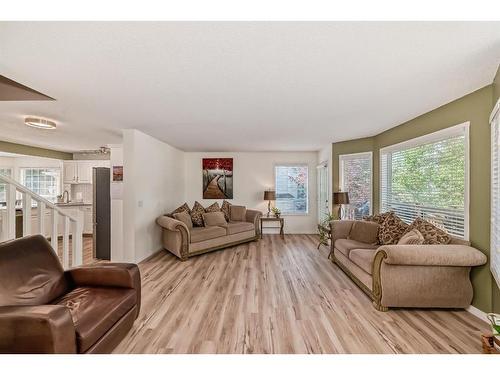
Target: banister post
77 241
11 212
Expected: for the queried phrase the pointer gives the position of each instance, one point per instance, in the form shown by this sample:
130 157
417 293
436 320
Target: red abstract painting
217 178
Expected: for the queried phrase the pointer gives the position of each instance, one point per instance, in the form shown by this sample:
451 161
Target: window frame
59 186
494 252
306 213
11 172
356 155
440 135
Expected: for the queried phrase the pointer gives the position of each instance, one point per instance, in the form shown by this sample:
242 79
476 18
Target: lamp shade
340 197
269 195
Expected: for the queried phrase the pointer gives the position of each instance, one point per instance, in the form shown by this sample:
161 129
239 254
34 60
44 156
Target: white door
322 192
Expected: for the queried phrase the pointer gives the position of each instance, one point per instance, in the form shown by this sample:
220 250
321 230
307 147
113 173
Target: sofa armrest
253 217
340 229
37 329
176 236
432 255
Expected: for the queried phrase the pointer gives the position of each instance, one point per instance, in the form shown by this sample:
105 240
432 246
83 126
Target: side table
268 219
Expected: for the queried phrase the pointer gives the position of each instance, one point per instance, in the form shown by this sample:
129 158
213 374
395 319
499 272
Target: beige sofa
432 276
185 242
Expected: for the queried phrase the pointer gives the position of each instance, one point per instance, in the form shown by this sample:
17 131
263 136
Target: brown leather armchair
44 309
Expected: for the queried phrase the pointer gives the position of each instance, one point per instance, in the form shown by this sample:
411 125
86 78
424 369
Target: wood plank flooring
275 296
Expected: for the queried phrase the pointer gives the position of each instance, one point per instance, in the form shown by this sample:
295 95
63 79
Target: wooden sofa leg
379 307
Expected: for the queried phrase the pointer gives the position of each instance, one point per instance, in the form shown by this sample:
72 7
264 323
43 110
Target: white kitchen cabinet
70 172
84 169
80 171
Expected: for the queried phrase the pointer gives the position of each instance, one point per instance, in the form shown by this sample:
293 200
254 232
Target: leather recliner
44 309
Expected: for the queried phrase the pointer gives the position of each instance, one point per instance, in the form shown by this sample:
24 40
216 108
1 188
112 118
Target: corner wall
474 108
153 184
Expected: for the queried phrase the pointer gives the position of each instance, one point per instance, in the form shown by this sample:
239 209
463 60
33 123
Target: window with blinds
495 194
427 177
355 177
291 189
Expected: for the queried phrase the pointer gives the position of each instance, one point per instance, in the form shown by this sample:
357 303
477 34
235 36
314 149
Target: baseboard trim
150 256
477 313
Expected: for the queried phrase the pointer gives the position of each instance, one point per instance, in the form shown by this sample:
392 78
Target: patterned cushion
378 218
213 208
412 237
197 214
432 234
225 209
391 229
184 207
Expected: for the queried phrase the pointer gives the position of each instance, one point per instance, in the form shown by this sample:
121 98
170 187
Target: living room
198 186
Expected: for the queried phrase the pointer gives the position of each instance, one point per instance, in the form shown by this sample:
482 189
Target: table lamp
269 195
340 198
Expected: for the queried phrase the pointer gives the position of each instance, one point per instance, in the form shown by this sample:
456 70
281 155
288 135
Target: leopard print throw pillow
197 214
391 230
432 234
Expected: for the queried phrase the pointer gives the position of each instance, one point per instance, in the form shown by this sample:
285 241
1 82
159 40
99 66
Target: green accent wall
34 151
474 108
496 95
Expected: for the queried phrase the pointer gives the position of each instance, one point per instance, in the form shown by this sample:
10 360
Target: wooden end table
278 219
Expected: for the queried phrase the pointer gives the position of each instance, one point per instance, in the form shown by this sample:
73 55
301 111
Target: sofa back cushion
214 219
185 217
412 237
237 213
30 272
364 231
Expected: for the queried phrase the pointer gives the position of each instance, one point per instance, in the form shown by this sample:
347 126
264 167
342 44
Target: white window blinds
427 177
291 189
495 194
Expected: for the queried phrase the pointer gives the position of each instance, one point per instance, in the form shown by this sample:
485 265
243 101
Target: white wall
325 156
153 182
253 174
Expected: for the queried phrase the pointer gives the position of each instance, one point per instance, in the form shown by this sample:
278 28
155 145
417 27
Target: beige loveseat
404 275
185 242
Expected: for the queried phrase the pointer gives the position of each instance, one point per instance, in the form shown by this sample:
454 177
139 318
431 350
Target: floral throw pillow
378 218
180 209
213 208
197 214
432 234
391 230
225 209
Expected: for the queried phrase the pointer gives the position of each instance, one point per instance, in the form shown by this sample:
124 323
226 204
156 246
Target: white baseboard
477 313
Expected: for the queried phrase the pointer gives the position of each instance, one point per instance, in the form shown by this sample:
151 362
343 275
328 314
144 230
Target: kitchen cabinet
88 222
80 171
70 172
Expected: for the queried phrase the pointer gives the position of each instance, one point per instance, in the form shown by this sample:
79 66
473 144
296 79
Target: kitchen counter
73 204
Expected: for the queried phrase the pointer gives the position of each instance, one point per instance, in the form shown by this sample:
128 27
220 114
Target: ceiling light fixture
39 123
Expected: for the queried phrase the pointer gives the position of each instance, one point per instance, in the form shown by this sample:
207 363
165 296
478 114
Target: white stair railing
70 224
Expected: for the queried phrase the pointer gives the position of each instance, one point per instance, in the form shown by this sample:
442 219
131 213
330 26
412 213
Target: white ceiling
229 86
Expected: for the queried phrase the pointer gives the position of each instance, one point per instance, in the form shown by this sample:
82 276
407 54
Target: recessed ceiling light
39 123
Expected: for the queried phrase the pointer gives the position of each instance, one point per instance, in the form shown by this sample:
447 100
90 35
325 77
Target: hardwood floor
88 250
276 296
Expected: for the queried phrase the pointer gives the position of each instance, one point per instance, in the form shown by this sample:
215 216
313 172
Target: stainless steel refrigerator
101 213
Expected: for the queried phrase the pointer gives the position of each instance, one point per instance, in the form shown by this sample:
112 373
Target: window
355 175
3 192
427 177
42 181
291 189
495 193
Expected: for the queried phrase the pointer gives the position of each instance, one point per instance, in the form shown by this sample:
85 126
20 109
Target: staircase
60 222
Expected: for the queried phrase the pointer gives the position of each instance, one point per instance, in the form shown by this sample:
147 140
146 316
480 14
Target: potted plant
276 211
324 229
